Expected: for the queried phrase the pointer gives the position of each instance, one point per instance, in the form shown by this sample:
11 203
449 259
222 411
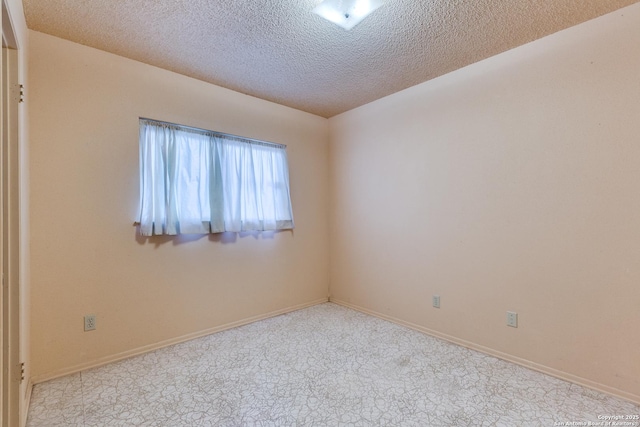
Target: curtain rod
214 133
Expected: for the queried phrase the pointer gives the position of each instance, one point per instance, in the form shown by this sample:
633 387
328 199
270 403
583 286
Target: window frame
235 185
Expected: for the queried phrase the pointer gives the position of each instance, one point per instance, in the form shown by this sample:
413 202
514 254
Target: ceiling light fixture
346 13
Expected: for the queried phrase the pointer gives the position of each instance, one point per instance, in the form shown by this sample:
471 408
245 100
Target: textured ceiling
280 51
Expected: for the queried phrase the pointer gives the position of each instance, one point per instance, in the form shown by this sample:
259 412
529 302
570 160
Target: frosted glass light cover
346 13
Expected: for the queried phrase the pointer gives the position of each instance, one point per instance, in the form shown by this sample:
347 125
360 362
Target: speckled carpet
322 366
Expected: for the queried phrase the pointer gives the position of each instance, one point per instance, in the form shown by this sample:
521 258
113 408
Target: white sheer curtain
194 181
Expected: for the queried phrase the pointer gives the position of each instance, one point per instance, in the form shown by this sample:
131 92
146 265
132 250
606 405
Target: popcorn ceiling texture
280 51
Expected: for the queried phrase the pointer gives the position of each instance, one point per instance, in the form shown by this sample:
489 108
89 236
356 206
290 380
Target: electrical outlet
436 301
89 322
512 319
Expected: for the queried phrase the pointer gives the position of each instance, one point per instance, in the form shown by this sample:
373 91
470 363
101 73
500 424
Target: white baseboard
504 356
147 348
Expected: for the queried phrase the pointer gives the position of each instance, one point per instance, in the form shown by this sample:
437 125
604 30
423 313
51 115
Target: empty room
310 213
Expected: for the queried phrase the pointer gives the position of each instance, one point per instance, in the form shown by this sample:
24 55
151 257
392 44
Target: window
198 181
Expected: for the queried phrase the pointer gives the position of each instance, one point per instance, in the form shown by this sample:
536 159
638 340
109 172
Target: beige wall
512 184
85 255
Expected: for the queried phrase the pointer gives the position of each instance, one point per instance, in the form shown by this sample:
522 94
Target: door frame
11 375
